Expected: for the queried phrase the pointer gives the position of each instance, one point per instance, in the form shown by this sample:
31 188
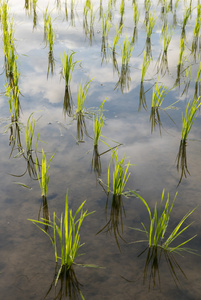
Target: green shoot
29 134
44 179
97 127
126 51
81 97
68 64
189 117
145 65
120 174
117 36
106 25
136 14
67 229
151 23
182 48
158 95
159 220
49 32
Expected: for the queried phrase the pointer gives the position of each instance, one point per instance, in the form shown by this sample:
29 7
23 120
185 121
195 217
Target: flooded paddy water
163 45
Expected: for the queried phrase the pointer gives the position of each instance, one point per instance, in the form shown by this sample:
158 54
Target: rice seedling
159 220
186 16
136 14
126 51
81 97
181 53
165 37
106 25
145 65
49 32
158 95
151 23
189 118
67 228
97 127
117 37
44 179
68 64
187 80
29 135
122 8
120 174
35 16
198 21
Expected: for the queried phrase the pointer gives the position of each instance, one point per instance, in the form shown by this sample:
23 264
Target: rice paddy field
100 98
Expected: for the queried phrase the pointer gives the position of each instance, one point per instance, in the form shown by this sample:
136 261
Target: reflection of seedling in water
69 285
68 102
156 233
68 64
68 231
44 179
115 222
13 101
188 120
155 257
35 17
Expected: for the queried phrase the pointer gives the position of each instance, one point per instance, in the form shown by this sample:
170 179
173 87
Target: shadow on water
67 287
155 257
